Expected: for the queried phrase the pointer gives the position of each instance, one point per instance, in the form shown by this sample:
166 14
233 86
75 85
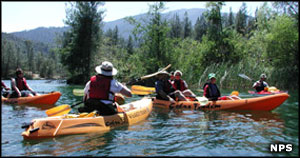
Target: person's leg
188 93
180 96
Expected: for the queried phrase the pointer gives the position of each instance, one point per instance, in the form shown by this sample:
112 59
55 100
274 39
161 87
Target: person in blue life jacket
165 90
211 90
19 86
180 84
261 84
100 90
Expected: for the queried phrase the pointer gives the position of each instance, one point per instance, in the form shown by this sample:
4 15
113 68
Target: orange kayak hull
50 98
264 103
48 127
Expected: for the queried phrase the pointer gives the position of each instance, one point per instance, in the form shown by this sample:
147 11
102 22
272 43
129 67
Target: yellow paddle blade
59 110
236 93
142 90
78 92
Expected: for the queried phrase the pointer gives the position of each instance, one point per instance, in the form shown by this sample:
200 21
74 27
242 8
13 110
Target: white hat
106 69
178 71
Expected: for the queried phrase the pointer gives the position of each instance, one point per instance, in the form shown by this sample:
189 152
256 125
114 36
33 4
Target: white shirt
115 87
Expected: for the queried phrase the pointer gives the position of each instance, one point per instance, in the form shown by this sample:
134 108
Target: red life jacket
100 87
21 83
181 85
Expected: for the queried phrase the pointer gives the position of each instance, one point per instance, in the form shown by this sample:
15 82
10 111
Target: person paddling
165 90
261 84
211 90
180 84
100 90
19 86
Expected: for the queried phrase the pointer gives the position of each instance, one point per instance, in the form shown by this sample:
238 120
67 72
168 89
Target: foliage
81 41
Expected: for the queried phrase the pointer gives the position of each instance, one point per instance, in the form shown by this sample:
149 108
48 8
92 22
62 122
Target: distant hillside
48 35
36 45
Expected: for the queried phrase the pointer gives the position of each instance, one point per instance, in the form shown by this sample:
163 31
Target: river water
163 133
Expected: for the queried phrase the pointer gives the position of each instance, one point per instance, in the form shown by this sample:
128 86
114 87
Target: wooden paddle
148 76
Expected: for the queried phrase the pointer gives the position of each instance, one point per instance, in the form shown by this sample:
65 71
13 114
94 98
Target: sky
20 16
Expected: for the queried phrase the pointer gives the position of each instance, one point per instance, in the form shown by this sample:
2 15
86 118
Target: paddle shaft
148 76
76 104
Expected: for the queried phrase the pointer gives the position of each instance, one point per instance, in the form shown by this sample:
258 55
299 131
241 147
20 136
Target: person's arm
86 91
14 87
205 90
126 91
255 84
117 87
29 88
4 86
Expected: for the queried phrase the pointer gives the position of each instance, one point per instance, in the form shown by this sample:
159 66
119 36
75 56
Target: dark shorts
14 94
95 104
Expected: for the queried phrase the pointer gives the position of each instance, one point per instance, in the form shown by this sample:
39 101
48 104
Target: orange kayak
262 93
264 103
50 98
87 122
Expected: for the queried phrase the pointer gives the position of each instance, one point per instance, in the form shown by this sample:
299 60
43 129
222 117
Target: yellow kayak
87 122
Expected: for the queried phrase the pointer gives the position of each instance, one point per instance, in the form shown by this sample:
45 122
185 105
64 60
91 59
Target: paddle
61 110
142 90
148 76
245 77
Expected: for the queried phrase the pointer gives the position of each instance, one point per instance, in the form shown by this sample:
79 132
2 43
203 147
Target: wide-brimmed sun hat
106 68
211 75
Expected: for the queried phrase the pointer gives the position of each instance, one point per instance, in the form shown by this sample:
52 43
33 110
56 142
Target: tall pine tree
82 40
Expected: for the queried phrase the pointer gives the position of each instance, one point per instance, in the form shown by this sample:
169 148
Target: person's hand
19 95
7 88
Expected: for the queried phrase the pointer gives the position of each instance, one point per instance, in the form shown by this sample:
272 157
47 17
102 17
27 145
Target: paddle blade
245 77
236 93
78 92
142 90
59 110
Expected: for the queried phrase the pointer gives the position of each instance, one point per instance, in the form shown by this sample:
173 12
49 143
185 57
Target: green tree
241 20
30 56
130 45
200 28
81 42
230 18
187 26
176 27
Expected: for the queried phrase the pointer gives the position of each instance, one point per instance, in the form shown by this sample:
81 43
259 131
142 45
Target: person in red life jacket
165 90
172 77
3 93
19 86
99 92
211 90
261 84
180 84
